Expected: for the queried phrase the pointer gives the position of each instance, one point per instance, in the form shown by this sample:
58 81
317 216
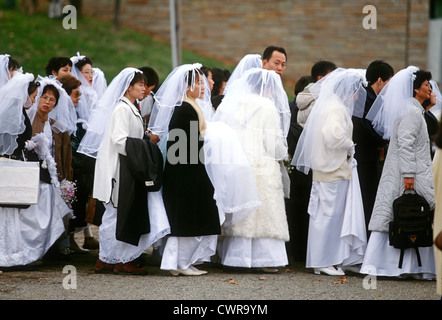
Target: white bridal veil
339 96
91 93
100 117
394 101
63 112
13 96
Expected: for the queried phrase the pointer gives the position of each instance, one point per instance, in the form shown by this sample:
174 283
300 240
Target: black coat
132 213
368 154
187 189
23 137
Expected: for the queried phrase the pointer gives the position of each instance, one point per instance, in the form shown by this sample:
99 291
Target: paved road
75 280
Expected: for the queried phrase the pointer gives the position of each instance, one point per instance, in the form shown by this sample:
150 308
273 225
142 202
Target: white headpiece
13 96
63 112
172 93
91 93
339 96
437 108
100 117
263 86
393 102
248 62
4 69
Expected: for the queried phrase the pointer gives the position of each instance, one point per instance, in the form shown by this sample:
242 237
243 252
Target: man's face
277 62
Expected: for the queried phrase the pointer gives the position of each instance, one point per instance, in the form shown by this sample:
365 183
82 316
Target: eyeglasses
47 98
76 94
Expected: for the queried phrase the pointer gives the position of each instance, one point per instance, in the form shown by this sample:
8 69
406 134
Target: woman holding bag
26 234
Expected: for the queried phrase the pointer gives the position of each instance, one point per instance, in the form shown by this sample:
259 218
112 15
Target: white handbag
19 182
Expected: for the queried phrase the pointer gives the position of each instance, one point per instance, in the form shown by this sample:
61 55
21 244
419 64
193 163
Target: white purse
19 182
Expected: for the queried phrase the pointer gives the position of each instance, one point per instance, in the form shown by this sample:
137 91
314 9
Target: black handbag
412 225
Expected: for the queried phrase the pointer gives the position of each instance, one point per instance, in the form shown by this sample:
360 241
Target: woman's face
75 96
12 71
137 90
31 99
210 80
46 103
222 87
198 90
87 73
424 92
63 71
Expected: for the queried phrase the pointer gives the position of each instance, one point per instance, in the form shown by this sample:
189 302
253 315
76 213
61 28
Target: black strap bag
412 225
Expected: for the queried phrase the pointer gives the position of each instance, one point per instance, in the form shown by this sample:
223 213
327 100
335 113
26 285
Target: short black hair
267 54
138 76
52 89
151 76
82 62
219 76
32 86
378 69
190 74
13 64
302 83
322 68
421 76
56 63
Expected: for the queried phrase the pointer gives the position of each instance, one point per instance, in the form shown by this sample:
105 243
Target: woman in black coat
187 189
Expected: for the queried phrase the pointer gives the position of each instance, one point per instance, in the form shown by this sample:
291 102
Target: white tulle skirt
252 253
381 259
27 234
337 234
183 252
114 251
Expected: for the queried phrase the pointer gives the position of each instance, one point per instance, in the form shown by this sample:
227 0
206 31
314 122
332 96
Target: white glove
351 152
30 145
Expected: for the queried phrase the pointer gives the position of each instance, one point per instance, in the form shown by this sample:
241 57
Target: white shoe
331 271
352 268
197 270
186 272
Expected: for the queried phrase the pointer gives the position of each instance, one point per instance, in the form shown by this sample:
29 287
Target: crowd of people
249 179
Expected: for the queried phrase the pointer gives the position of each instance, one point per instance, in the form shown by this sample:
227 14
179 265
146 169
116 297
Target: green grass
33 40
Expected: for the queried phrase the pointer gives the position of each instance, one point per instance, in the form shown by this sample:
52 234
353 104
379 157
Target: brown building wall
310 30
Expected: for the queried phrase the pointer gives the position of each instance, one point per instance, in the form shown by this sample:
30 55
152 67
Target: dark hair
421 76
56 63
321 68
52 89
190 74
302 83
82 62
69 83
267 54
151 76
218 76
12 64
206 70
227 74
32 86
138 76
378 69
